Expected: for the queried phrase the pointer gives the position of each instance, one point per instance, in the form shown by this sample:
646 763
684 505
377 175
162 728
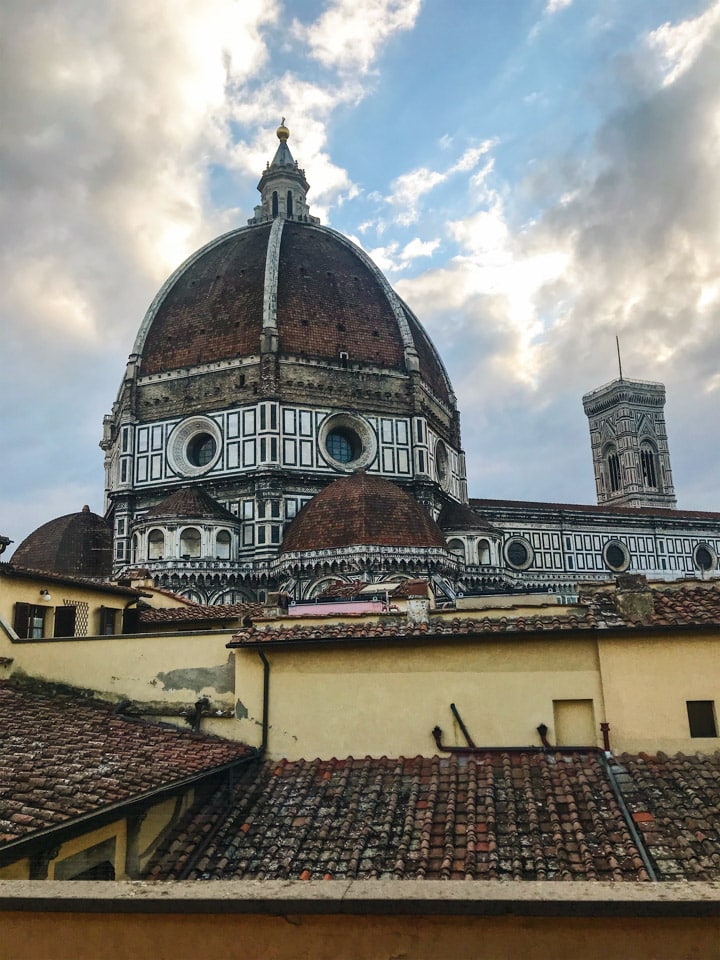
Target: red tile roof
512 815
190 503
200 613
679 606
63 756
361 510
76 545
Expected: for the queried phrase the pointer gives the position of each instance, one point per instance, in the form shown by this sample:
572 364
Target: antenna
617 344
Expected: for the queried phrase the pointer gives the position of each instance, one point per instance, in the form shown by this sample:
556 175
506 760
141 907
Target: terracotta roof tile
190 503
200 613
512 815
361 510
62 756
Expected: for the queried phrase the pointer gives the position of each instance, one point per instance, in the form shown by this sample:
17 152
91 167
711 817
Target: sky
535 178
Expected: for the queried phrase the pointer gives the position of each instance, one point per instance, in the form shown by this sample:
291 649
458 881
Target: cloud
408 189
677 46
393 258
350 34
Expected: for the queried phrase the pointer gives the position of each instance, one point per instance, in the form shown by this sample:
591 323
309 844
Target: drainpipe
266 701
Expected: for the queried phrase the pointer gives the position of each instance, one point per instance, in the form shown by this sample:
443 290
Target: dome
78 545
361 510
328 299
189 503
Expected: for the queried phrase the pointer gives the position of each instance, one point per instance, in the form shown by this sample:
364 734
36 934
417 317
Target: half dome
77 544
361 510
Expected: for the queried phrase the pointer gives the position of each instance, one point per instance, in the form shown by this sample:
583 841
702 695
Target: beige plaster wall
161 670
647 683
19 590
386 700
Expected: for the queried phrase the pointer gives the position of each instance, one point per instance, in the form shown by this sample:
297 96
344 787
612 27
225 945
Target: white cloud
408 189
679 45
554 6
350 33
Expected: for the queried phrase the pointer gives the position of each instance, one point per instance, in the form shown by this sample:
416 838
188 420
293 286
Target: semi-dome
361 510
78 545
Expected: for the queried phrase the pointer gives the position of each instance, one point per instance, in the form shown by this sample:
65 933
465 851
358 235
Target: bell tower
629 444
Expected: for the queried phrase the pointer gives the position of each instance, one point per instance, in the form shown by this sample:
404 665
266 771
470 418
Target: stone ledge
367 897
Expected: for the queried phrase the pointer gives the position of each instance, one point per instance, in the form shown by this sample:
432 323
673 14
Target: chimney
633 597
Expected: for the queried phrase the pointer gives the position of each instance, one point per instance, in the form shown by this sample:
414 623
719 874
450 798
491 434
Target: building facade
278 361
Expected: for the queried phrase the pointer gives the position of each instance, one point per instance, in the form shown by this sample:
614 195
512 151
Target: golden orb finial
282 131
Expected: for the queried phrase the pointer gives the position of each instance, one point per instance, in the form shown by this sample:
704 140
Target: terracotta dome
328 299
190 503
78 545
361 510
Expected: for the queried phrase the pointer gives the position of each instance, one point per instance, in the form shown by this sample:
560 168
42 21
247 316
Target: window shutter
21 621
64 622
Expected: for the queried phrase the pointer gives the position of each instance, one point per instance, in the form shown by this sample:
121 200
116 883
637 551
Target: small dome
457 518
361 510
189 503
77 545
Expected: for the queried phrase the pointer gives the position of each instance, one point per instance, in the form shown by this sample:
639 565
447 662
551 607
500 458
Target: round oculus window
194 446
616 556
705 557
347 442
518 553
343 445
201 449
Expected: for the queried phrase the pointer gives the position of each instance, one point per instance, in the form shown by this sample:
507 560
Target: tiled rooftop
62 756
682 605
489 815
201 613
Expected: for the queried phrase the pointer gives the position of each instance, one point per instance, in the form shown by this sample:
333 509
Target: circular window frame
179 443
616 568
712 553
528 548
367 441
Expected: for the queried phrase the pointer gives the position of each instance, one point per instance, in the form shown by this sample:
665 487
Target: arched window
648 465
222 545
483 551
457 548
274 203
190 543
156 545
612 462
135 550
289 203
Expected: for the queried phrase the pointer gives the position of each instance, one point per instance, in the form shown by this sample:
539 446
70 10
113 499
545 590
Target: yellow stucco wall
386 700
647 683
157 669
288 936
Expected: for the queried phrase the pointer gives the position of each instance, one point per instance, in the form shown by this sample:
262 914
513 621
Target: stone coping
367 897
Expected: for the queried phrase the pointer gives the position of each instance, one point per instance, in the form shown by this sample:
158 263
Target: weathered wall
163 671
647 683
371 920
385 700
